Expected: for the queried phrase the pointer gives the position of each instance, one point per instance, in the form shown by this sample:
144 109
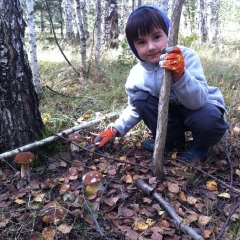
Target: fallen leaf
211 185
39 197
191 200
224 195
173 187
150 222
140 225
64 228
48 233
163 224
182 197
204 220
127 178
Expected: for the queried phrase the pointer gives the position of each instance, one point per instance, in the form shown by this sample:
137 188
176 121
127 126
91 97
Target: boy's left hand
172 59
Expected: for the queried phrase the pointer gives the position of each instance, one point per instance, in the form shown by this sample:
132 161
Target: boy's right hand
105 136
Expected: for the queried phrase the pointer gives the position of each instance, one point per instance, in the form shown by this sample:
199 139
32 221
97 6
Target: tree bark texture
68 11
97 32
83 44
20 119
33 46
157 164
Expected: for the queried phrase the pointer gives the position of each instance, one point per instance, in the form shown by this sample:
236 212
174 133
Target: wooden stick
56 136
157 163
178 222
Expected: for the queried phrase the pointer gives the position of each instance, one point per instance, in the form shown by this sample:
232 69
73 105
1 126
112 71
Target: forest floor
204 195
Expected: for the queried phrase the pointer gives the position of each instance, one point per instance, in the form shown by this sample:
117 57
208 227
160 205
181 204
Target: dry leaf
122 158
224 195
150 222
191 200
19 201
141 226
211 185
173 187
164 224
127 178
207 233
39 197
182 197
64 228
48 233
204 220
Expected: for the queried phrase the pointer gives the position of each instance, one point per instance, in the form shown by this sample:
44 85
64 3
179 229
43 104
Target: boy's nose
151 46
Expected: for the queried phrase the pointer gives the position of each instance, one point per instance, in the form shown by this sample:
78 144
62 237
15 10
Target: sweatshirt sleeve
192 88
127 120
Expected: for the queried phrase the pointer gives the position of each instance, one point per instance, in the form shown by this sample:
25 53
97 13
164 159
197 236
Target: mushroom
24 158
93 182
75 138
53 212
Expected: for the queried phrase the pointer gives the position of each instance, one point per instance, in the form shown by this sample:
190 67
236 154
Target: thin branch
55 37
227 221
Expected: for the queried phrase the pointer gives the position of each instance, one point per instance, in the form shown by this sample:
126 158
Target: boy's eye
140 42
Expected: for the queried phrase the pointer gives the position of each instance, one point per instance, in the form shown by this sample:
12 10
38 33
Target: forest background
79 61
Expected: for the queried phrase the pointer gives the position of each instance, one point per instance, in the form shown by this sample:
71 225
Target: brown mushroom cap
53 213
24 157
75 137
92 178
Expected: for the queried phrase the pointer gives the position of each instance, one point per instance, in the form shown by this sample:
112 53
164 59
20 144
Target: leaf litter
121 210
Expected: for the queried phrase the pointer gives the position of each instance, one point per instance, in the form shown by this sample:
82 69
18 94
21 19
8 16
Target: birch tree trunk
202 22
33 46
97 32
67 13
61 16
20 119
212 20
83 45
163 4
111 24
84 17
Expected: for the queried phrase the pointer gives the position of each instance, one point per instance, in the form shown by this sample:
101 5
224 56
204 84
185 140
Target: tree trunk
202 22
67 12
111 24
61 16
33 46
83 45
20 119
97 32
164 5
84 17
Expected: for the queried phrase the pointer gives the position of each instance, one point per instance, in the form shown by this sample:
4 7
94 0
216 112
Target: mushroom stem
25 171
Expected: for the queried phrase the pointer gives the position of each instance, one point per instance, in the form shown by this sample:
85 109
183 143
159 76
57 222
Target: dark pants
207 124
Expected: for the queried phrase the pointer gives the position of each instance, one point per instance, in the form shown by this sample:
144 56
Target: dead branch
56 136
178 222
157 164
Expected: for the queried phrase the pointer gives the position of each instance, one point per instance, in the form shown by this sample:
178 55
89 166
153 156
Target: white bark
68 19
56 136
212 21
97 33
84 17
164 5
33 46
202 22
83 45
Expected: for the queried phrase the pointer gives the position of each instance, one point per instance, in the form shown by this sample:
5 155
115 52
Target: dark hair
143 21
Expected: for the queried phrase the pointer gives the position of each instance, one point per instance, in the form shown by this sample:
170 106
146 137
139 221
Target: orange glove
172 59
105 136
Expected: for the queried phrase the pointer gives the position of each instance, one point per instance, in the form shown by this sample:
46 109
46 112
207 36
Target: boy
193 105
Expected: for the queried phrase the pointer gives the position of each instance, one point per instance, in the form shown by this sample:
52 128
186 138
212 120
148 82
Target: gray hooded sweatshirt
191 90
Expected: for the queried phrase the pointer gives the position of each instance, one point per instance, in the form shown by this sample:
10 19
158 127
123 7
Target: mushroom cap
53 213
24 157
75 137
92 178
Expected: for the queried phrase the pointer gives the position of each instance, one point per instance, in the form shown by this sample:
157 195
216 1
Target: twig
94 217
178 222
51 22
227 221
218 180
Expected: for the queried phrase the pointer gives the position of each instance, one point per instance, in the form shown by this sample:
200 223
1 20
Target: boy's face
149 46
